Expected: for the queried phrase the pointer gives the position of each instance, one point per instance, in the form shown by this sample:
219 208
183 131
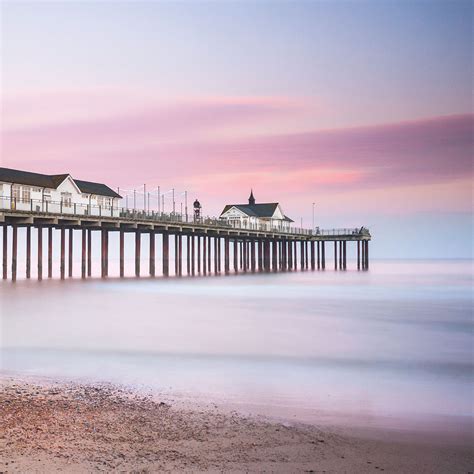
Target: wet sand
70 427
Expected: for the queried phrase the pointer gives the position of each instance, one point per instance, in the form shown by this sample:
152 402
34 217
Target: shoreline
50 424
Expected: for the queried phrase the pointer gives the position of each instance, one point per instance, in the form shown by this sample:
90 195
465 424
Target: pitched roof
52 181
96 188
256 210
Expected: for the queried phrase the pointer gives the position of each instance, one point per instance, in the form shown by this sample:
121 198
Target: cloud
206 145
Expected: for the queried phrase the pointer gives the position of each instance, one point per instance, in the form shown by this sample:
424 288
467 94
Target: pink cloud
199 144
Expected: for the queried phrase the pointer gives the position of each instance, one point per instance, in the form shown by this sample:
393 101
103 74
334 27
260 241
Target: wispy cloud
205 144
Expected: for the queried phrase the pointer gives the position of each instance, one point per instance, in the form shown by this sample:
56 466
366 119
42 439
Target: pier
208 246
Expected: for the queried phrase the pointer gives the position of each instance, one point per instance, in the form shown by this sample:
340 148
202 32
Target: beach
49 426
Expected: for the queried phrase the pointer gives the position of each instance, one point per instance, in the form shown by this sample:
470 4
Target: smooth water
396 341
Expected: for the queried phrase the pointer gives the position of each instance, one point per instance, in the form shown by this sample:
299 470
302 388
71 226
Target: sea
391 346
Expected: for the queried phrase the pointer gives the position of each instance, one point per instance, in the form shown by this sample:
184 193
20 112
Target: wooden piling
323 255
14 251
5 252
245 248
313 256
40 252
89 252
166 251
83 252
193 255
71 243
204 257
28 252
63 250
50 252
226 255
103 253
335 255
236 255
358 255
216 253
137 252
180 254
122 253
152 254
198 255
274 255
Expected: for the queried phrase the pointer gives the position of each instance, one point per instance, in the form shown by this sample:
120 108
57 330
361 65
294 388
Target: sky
361 107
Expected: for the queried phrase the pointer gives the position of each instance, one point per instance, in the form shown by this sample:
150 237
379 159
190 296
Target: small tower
197 210
251 198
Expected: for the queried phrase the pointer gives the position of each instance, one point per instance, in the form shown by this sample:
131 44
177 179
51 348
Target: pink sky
218 149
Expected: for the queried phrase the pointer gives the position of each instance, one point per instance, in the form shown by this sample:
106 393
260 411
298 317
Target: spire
251 198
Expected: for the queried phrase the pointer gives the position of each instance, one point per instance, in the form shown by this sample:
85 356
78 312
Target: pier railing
69 209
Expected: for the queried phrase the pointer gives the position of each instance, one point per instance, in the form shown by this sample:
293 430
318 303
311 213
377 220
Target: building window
66 199
25 193
16 191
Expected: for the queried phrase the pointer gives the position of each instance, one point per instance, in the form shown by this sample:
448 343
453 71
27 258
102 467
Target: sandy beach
50 426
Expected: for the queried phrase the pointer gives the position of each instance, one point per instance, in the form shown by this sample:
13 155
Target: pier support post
313 256
89 252
245 248
204 257
306 252
344 259
235 249
180 254
340 255
290 255
198 255
14 251
40 253
138 242
209 250
166 254
28 252
358 255
253 262
70 244
122 253
226 255
50 252
274 255
152 253
266 258
63 250
366 254
295 260
318 256
193 254
323 255
5 252
188 254
83 253
103 253
335 255
219 250
216 252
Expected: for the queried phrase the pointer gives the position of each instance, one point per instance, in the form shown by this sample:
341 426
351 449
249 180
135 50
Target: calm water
396 341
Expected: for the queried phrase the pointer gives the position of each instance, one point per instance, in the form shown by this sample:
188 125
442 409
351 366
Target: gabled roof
96 188
9 175
256 210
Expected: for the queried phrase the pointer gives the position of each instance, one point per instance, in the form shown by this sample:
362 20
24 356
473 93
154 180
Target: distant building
23 190
264 216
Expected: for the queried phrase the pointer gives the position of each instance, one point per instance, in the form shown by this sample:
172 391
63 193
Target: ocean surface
393 343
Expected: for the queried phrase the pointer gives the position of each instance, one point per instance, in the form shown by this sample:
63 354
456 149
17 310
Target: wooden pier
211 246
